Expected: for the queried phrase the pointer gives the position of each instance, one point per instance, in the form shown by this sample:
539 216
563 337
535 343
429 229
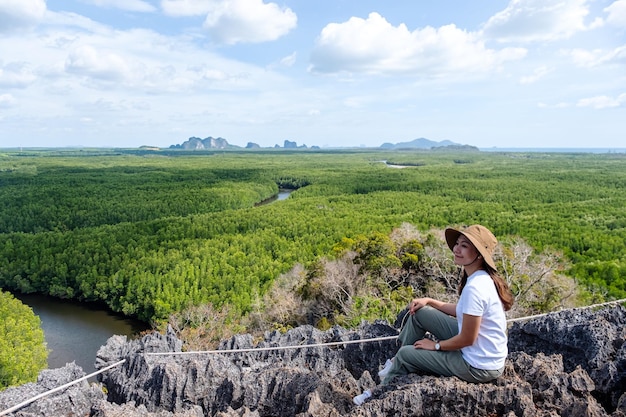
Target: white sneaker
383 372
360 399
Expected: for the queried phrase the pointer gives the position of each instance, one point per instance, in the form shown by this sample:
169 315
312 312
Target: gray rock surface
75 400
571 363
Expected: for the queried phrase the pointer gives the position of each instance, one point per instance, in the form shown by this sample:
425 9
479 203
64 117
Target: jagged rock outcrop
76 400
292 145
591 340
571 363
194 143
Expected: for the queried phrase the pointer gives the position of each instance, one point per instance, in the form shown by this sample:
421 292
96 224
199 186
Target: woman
472 346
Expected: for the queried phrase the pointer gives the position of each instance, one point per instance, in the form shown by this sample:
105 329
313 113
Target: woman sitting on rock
471 334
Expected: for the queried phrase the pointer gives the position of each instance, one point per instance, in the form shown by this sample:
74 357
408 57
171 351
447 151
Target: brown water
75 331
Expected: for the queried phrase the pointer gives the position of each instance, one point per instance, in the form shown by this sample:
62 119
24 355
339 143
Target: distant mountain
194 143
421 143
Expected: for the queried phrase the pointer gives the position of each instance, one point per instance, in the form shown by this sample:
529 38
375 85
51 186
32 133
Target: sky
327 73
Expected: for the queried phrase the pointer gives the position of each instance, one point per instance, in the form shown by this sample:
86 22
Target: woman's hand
417 303
425 344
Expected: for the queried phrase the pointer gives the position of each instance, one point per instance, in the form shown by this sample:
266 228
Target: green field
149 233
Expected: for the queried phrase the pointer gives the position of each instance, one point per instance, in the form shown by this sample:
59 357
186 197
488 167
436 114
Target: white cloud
238 21
560 105
596 57
7 100
138 61
537 20
20 14
128 5
186 7
598 22
373 45
602 102
105 65
212 74
73 69
16 75
584 57
536 75
289 60
617 13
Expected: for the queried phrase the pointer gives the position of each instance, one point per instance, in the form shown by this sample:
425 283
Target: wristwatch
437 346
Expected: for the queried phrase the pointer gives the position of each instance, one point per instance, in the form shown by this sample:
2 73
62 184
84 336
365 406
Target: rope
52 391
348 342
623 300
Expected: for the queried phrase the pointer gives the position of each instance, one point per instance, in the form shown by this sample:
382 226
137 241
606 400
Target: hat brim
452 235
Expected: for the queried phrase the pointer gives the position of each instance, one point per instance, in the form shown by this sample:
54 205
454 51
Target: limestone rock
571 363
75 400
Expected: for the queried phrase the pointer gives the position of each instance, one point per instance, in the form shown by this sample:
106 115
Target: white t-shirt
480 298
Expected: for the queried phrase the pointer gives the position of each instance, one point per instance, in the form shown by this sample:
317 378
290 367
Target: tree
537 280
22 346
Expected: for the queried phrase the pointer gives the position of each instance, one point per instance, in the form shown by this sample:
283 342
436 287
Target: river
75 331
282 195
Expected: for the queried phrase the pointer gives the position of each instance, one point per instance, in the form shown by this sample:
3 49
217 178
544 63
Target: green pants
444 363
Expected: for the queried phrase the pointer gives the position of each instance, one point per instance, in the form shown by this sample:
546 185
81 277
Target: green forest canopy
22 346
152 232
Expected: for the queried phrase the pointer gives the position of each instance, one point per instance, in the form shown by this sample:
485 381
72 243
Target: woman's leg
428 319
448 363
410 360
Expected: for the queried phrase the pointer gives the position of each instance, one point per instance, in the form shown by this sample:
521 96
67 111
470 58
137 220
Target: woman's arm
467 336
417 303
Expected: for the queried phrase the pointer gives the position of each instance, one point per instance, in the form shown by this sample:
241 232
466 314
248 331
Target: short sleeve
473 303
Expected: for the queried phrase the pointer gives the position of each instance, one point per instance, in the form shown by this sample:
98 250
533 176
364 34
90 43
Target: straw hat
484 241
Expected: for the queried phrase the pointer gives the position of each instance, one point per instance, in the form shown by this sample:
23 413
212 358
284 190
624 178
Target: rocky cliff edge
571 363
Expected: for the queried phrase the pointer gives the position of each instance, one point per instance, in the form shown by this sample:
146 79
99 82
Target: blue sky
328 73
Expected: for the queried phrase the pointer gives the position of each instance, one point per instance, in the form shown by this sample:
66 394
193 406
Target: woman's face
464 252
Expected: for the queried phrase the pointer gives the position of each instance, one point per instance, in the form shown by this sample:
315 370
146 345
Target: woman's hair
504 292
